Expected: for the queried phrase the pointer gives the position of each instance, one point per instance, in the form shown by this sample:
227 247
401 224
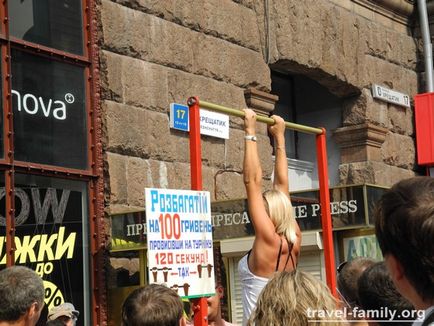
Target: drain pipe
427 46
267 31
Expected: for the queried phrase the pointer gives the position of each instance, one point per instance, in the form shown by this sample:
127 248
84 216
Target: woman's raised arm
252 174
281 162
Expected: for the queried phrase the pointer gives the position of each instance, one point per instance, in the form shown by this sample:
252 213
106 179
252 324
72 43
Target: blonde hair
279 208
288 299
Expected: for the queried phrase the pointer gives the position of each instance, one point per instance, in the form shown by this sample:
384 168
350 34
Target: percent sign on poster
179 235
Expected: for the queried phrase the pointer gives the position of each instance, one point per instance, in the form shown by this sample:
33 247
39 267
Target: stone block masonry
157 52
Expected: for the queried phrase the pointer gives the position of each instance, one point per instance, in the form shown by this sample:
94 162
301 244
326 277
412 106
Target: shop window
48 100
304 101
2 217
1 123
235 292
51 236
125 272
48 79
52 23
128 231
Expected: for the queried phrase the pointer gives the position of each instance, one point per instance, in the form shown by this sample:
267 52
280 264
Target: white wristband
250 137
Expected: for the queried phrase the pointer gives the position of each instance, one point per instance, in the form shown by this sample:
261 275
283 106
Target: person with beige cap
65 312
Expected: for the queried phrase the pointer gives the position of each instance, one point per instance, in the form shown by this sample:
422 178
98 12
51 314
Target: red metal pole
200 304
326 220
195 148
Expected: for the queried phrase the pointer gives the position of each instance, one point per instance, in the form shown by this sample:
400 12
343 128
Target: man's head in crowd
153 305
376 291
404 225
348 276
21 296
214 305
64 312
55 322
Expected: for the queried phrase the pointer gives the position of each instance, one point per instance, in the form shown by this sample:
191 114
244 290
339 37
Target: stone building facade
232 52
156 52
87 86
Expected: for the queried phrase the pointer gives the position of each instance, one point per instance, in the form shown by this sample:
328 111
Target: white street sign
391 96
214 124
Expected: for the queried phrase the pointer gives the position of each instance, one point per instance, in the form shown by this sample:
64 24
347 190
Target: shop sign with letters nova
179 239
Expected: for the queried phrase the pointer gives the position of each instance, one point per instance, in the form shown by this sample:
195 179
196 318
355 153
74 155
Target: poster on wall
179 238
48 239
359 243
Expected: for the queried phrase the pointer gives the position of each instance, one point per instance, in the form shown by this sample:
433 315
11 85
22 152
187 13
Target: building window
52 23
49 162
304 101
48 100
50 226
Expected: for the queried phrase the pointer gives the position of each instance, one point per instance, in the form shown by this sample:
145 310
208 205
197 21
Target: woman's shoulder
267 244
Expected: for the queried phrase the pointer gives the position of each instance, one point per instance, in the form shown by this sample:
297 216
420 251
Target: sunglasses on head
347 303
341 266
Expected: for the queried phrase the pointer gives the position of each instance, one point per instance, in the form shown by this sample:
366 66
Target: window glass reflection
123 276
2 216
51 236
48 101
1 120
53 23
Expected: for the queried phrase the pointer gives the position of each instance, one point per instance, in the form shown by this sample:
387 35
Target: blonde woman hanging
277 235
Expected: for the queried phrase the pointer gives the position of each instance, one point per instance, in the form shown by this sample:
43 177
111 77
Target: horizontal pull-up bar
267 120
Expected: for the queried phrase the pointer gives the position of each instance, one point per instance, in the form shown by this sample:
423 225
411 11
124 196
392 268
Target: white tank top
251 287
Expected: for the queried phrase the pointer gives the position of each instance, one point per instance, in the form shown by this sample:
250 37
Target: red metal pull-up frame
201 307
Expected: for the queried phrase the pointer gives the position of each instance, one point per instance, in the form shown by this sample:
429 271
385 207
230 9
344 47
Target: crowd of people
405 231
399 289
22 300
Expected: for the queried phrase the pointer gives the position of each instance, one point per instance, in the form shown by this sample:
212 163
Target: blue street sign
179 117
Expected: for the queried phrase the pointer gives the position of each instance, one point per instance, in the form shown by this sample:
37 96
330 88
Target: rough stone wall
156 52
347 53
